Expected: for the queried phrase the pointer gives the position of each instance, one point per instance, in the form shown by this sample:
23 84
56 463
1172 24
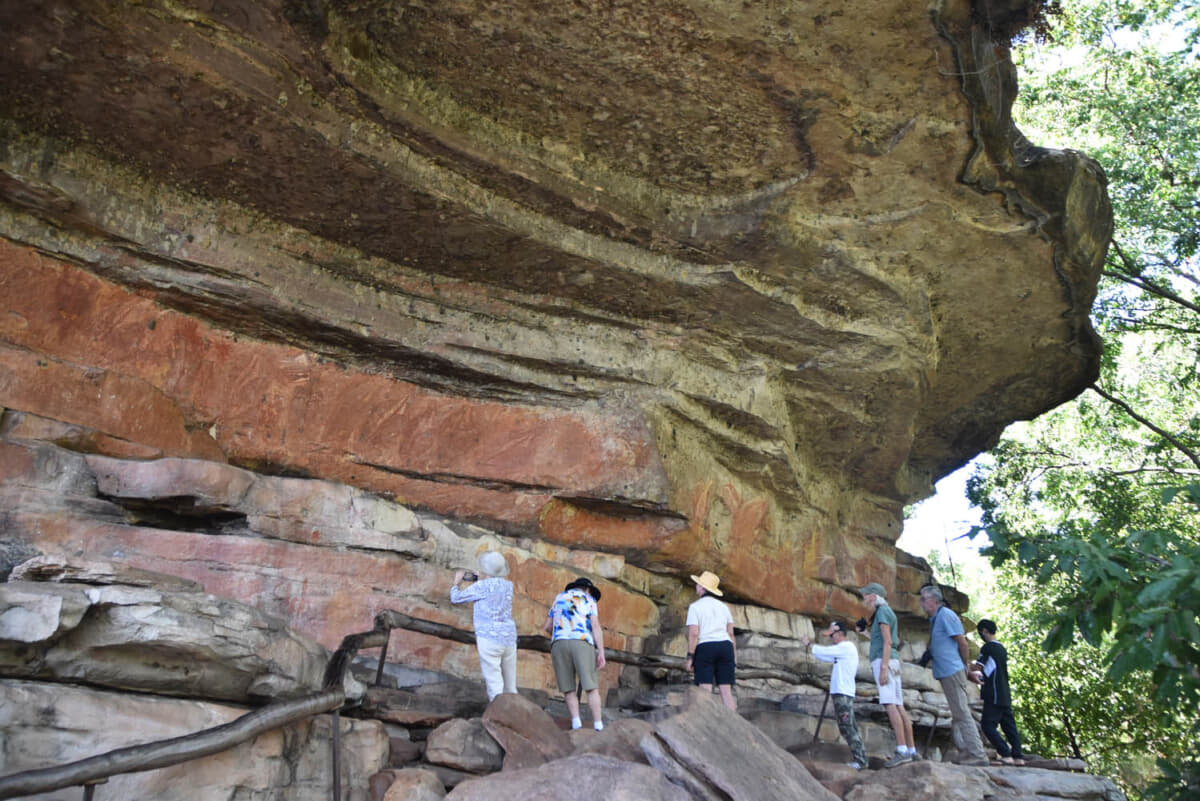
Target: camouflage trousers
843 708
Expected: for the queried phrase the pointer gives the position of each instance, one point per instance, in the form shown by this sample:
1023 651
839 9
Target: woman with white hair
495 630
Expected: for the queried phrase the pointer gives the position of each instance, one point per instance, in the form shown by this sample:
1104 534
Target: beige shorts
574 659
892 692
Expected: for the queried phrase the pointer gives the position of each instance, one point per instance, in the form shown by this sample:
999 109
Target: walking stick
821 718
929 737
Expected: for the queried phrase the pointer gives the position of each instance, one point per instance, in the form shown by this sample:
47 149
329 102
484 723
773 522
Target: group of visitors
577 639
952 667
577 654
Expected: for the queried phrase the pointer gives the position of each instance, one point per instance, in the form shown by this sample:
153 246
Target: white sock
576 723
598 725
901 749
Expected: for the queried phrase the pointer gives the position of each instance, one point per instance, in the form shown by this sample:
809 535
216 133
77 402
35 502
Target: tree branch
1131 276
1185 450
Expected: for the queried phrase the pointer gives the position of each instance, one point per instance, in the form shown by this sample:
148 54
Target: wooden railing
164 753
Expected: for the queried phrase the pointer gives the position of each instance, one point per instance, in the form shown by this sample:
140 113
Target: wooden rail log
164 753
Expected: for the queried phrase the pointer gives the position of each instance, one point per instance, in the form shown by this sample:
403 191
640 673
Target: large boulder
415 784
527 734
717 754
464 744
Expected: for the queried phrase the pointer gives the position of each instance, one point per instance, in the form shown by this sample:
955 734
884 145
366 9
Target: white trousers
498 663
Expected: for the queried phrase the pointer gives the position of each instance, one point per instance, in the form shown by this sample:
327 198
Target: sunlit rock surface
694 285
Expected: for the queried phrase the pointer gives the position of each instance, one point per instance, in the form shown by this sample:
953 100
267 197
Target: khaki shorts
574 659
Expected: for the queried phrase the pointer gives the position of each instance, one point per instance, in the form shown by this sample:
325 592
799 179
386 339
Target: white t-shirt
711 617
844 657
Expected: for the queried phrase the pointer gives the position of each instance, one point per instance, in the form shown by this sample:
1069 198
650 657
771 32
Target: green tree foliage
1099 501
1065 701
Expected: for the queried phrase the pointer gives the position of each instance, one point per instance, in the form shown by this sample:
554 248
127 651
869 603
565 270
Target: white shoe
855 765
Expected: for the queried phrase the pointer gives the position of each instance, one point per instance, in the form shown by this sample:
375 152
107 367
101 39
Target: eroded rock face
708 285
137 638
53 724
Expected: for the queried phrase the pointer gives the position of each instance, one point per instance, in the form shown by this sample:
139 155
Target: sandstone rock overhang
710 284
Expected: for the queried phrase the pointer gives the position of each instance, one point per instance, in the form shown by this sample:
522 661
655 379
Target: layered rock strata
705 285
305 304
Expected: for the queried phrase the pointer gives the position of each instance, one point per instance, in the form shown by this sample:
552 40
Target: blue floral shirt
570 616
493 599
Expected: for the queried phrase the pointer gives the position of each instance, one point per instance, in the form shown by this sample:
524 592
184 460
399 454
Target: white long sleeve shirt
844 657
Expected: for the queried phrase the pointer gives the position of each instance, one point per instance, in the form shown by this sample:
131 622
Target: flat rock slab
1055 783
947 782
587 776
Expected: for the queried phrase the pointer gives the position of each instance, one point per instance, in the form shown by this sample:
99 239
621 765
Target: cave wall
629 289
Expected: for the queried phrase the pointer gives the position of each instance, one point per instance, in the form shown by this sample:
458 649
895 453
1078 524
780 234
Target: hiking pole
821 717
929 737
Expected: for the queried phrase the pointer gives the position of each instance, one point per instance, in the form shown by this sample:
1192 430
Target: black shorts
714 660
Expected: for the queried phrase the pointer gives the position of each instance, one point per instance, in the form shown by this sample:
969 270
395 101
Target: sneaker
855 765
915 756
898 759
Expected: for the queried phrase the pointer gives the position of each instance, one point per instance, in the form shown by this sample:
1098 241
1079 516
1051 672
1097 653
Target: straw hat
492 564
709 581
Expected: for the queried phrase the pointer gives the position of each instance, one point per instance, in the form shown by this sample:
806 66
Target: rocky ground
96 659
691 749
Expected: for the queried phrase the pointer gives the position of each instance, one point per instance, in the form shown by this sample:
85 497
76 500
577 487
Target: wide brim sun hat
709 581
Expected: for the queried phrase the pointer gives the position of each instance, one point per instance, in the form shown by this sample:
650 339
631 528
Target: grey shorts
574 659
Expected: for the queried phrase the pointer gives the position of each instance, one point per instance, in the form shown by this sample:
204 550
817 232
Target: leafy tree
1098 502
1068 704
